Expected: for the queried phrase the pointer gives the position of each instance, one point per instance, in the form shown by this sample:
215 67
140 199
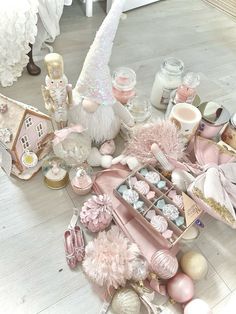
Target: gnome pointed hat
95 79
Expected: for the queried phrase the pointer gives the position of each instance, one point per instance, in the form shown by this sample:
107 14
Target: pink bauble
164 264
197 306
180 288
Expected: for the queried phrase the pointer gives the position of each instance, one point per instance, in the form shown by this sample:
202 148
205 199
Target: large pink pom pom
164 264
109 259
96 214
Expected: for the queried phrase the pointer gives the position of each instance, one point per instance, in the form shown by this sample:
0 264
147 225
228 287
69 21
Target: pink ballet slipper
74 242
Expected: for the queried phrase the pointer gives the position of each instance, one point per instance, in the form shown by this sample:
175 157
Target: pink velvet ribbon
214 188
62 134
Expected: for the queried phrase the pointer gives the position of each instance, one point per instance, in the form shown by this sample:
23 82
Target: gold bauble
126 301
194 265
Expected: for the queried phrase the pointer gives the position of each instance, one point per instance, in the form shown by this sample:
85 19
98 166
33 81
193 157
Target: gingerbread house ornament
25 133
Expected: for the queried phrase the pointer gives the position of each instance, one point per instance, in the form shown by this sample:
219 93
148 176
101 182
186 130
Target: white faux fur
101 125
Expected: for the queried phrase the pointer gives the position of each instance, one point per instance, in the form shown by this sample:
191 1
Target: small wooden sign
191 210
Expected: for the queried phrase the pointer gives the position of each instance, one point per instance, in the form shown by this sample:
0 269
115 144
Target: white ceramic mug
187 118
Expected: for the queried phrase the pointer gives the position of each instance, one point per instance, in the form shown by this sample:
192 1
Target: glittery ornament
142 187
130 196
126 301
140 269
164 264
170 211
159 223
153 177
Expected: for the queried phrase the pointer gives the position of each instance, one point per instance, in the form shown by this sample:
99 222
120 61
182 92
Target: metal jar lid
214 113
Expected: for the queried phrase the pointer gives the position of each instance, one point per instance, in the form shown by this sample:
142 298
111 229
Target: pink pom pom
111 259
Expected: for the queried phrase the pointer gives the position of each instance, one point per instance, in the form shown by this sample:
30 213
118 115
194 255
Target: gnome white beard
101 125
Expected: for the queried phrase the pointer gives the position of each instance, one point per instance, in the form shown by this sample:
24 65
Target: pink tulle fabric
109 258
164 133
96 214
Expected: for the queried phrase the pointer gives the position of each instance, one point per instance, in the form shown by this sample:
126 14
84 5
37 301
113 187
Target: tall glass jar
166 80
186 92
123 83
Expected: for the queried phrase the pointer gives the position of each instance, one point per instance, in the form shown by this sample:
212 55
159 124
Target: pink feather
164 133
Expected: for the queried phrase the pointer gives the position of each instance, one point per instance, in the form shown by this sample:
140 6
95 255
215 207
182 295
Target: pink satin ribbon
217 178
60 135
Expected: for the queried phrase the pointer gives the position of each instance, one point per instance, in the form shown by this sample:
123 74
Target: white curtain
23 22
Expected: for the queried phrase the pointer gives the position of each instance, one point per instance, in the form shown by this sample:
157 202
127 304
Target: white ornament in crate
72 144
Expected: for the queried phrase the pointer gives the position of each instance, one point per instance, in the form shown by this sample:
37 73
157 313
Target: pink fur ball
109 259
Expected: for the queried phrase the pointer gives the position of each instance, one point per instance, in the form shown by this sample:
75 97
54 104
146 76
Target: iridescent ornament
153 177
130 196
142 187
170 211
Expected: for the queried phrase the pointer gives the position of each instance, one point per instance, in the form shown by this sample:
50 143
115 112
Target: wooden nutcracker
57 93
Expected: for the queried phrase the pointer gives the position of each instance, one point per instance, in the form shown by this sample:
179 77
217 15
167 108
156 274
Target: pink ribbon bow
214 188
62 134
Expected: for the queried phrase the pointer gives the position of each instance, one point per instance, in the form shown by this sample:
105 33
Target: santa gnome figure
94 104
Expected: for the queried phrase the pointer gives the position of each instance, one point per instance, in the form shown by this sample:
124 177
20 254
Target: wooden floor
34 277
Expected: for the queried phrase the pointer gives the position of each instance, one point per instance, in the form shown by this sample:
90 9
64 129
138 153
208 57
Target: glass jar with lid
166 80
123 84
186 92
